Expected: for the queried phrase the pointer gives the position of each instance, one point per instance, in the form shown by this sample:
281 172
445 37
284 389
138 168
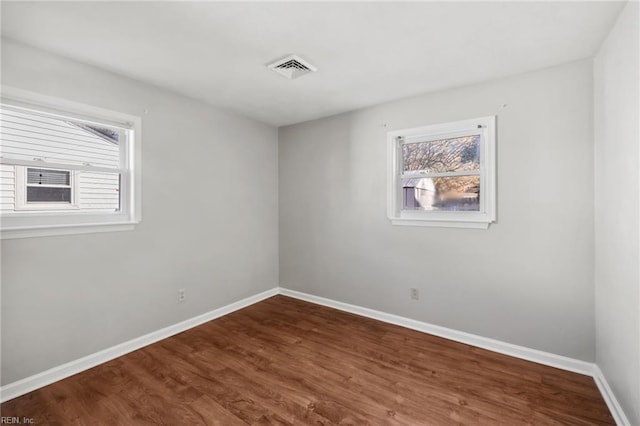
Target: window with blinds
65 163
48 186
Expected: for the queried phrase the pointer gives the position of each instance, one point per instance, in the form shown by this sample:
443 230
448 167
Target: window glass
29 135
461 193
91 149
44 194
99 191
443 155
48 177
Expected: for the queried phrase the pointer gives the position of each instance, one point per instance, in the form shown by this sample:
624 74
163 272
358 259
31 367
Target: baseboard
26 385
522 352
45 378
615 408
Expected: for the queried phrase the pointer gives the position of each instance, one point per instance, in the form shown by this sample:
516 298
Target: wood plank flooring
287 362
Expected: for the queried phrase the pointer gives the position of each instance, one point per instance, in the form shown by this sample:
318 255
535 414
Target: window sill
51 231
440 223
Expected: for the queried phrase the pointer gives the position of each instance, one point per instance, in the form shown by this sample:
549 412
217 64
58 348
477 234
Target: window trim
459 219
26 223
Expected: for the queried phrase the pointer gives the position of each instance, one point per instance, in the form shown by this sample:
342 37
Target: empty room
319 213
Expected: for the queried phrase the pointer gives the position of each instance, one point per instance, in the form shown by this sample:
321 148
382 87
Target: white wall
617 268
204 227
527 280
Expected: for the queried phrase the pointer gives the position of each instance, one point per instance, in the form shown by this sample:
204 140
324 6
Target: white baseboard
615 408
26 385
45 378
522 352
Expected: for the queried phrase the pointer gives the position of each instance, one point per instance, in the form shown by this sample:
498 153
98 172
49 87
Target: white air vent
292 67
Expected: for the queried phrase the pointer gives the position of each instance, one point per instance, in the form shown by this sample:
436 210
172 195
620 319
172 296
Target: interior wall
617 256
209 225
527 280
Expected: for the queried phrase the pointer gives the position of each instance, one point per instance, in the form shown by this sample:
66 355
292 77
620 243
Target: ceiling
366 52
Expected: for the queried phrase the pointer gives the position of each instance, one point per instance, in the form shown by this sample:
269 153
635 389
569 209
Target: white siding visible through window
29 137
99 191
7 187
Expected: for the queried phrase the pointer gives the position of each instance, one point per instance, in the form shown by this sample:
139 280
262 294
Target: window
45 189
66 167
443 175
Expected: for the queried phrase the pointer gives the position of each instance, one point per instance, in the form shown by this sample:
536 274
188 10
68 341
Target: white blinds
48 177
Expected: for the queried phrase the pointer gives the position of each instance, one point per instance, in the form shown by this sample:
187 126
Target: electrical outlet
414 294
182 295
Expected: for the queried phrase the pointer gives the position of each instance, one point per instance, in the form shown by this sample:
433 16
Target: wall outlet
414 294
182 295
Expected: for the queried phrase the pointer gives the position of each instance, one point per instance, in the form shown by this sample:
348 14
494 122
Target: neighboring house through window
443 175
66 167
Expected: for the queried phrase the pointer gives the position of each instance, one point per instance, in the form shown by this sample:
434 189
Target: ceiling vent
292 67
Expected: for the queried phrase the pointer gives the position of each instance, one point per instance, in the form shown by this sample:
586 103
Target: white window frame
21 202
51 221
485 128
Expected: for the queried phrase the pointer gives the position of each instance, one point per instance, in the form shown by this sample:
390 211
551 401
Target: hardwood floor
284 361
